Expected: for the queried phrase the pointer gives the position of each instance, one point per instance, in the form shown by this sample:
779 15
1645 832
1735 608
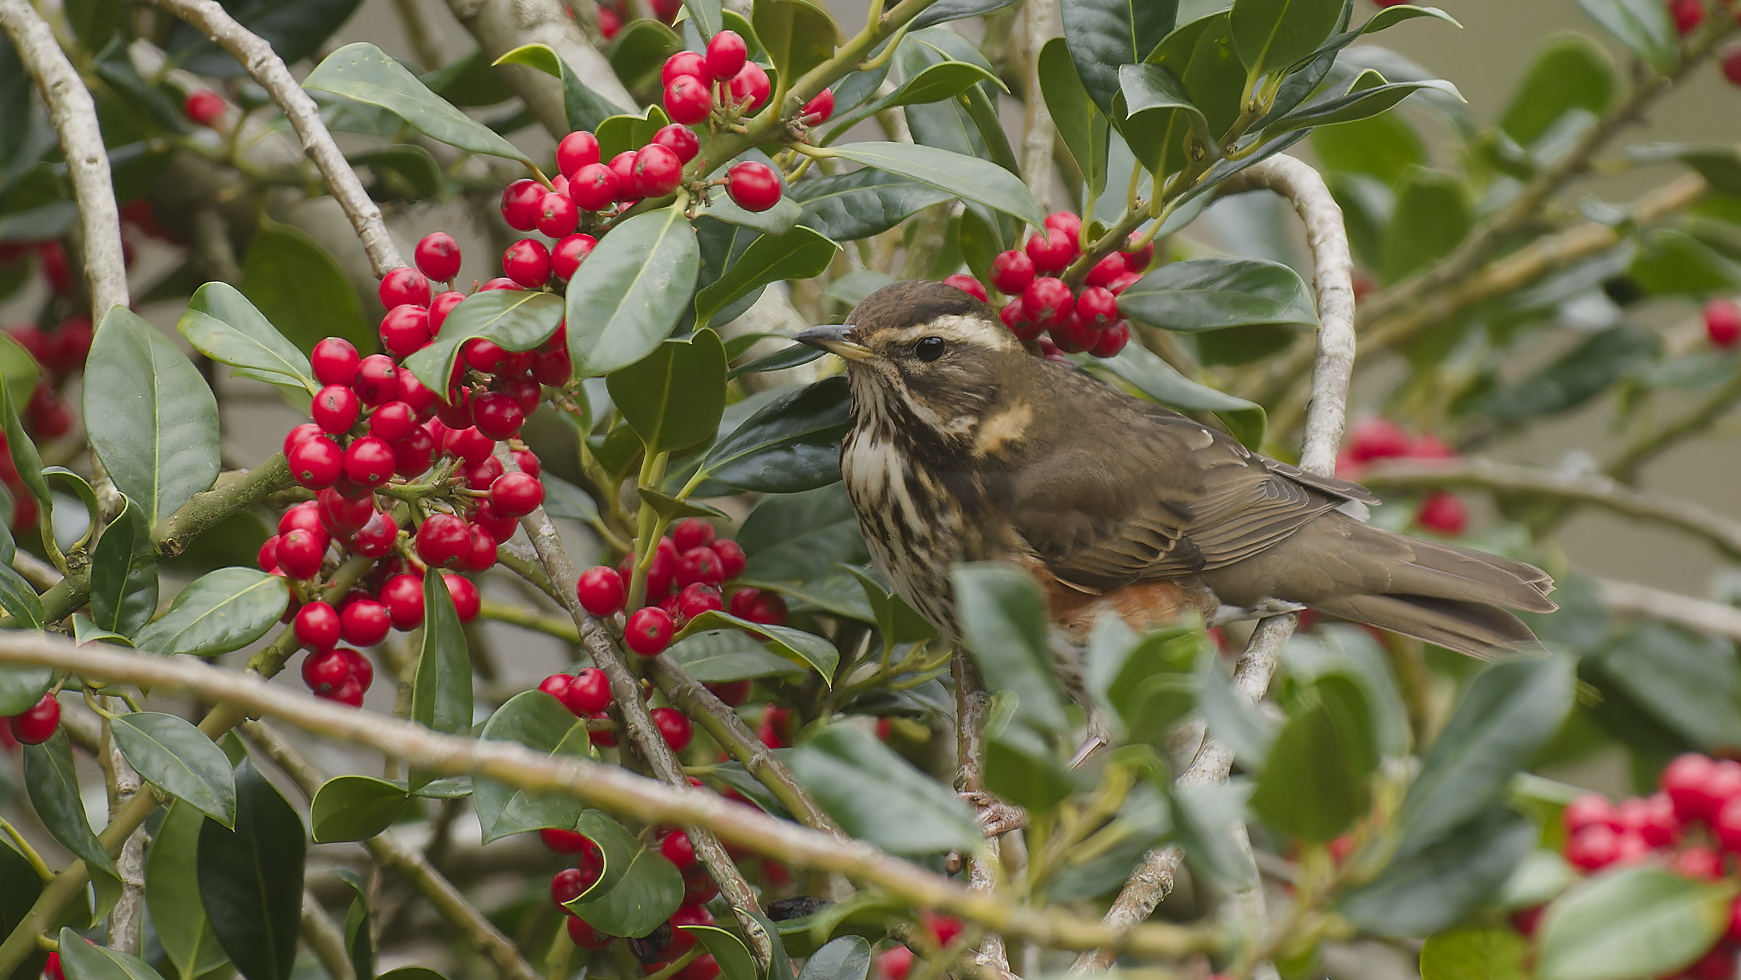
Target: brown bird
964 447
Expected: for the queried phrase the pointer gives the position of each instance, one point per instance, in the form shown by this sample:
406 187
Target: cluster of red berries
1044 307
896 962
37 723
1723 322
1691 824
686 577
1375 438
1689 16
375 428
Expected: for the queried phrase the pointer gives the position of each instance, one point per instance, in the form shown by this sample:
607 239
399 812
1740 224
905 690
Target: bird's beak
832 337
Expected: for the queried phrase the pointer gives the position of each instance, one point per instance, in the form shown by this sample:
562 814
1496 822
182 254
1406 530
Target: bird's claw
995 817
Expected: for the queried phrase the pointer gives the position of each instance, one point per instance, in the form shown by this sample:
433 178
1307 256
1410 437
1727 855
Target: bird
964 447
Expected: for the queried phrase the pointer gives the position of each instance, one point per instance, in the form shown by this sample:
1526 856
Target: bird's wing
1172 497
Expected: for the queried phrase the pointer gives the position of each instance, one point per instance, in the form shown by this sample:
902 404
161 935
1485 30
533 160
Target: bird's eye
929 349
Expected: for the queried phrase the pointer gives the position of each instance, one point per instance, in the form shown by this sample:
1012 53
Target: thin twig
74 114
257 56
608 787
1631 599
1039 136
325 939
972 702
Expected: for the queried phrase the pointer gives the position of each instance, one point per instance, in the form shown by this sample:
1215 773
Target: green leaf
1474 954
785 641
81 960
124 573
23 450
1249 733
896 620
1081 124
18 369
1580 374
1676 262
792 444
801 253
1204 820
539 722
1021 765
639 888
796 34
301 290
728 655
1003 621
845 958
22 685
512 319
359 929
1200 54
1570 73
221 324
20 601
355 807
968 124
638 283
295 31
363 72
1101 35
87 495
1274 34
909 814
584 108
1317 780
948 10
728 951
1433 214
180 760
1642 25
673 397
1434 880
411 163
52 782
1509 711
1384 146
627 131
978 181
640 48
1210 294
441 692
1367 96
707 17
777 220
220 611
172 894
800 537
1157 379
149 415
250 878
1160 122
1631 922
1688 683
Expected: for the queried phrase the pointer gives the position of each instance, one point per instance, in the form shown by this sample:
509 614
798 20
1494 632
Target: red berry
341 515
1068 222
732 693
1015 317
648 631
335 409
967 284
377 537
316 463
580 932
1718 964
527 263
1722 316
1048 301
1727 826
1112 340
1012 271
701 565
759 606
500 282
684 63
658 172
481 555
1097 306
601 591
1593 848
365 622
676 846
405 330
497 416
567 255
943 928
680 139
295 437
520 204
1073 335
1652 818
557 215
466 601
673 727
317 626
894 963
300 553
819 109
726 54
1138 261
1731 62
1685 781
576 150
688 100
749 87
36 724
403 286
204 107
1589 810
754 186
334 361
377 380
1688 15
305 515
694 599
437 256
1107 270
501 528
1443 512
443 540
516 494
1053 251
594 187
589 693
403 597
324 671
731 557
370 461
1701 863
394 421
413 455
1376 437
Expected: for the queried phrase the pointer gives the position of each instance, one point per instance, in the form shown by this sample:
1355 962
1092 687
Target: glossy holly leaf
628 131
172 894
220 611
844 958
785 641
1202 819
512 319
796 355
707 16
801 537
909 814
1641 25
1154 377
1159 120
1002 614
968 124
638 283
897 621
87 495
1432 882
150 417
1249 733
728 655
974 180
1081 124
948 10
777 220
640 48
1631 922
539 722
1590 368
299 288
177 758
583 107
355 807
639 888
1385 147
124 573
83 960
1198 54
415 166
728 951
1687 683
791 444
221 324
19 600
1571 73
52 782
1494 953
1270 35
673 397
295 31
18 370
250 878
1211 294
1368 95
923 81
22 685
363 72
441 691
796 34
801 253
1101 35
1317 778
1675 262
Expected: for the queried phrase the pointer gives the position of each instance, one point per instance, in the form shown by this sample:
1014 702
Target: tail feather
1472 628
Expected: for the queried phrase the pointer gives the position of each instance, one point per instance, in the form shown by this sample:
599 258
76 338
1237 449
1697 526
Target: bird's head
925 352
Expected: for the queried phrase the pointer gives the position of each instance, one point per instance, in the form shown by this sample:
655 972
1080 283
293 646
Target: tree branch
257 56
1630 599
1039 135
972 702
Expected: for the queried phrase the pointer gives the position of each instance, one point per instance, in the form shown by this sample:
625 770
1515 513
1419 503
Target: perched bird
964 447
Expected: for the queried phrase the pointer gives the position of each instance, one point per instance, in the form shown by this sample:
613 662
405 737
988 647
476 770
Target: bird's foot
995 817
